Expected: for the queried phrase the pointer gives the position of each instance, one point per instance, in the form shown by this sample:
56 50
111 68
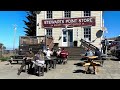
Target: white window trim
72 33
90 32
46 31
46 15
64 14
87 16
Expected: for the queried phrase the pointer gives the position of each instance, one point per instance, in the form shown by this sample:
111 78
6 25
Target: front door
67 38
64 38
70 38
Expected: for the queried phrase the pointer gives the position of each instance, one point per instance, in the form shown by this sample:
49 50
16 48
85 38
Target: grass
4 58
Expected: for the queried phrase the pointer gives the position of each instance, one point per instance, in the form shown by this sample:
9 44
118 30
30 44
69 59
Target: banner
73 22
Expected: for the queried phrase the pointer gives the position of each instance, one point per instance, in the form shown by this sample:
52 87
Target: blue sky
112 23
8 18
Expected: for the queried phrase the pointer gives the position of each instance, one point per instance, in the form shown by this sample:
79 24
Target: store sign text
75 22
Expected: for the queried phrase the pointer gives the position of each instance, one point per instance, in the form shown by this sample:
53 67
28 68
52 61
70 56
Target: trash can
75 43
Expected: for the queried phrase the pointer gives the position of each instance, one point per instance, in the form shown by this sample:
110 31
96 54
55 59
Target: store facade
68 27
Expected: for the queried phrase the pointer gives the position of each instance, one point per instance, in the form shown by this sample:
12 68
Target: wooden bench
100 61
91 62
16 58
10 60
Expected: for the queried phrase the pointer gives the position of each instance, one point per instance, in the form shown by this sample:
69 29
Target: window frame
87 13
49 32
67 14
87 33
49 14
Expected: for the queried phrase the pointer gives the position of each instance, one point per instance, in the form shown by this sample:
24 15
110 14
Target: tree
30 30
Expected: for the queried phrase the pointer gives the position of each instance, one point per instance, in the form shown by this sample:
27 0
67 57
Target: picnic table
51 62
95 58
90 61
16 58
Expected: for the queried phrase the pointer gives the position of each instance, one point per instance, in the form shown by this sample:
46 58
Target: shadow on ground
83 71
90 71
31 72
79 71
78 64
16 63
115 59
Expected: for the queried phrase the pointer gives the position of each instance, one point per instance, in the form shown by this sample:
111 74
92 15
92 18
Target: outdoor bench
100 62
52 62
16 58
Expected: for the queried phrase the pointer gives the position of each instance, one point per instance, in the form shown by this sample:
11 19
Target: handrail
87 44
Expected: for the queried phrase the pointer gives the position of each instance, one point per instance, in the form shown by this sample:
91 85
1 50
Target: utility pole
15 27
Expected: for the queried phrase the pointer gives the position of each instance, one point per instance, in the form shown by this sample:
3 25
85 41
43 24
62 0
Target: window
49 32
64 36
87 33
64 39
87 13
67 14
49 14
